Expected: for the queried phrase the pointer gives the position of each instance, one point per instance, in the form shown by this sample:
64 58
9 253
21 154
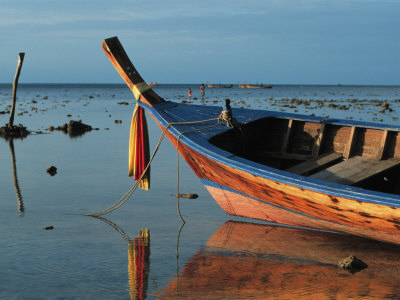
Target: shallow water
88 258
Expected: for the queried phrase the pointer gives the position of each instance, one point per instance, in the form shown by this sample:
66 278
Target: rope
226 116
140 88
114 226
177 163
124 198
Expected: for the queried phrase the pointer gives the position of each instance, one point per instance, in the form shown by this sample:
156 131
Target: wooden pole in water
15 84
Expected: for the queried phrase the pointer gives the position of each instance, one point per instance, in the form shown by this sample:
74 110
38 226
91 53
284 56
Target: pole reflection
21 208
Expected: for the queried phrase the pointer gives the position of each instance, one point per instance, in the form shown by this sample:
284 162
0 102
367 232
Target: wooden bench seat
355 170
316 164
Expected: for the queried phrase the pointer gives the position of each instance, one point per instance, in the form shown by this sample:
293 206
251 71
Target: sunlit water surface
210 257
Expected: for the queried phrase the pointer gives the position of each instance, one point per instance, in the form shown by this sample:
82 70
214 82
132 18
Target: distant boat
153 84
255 86
330 174
216 86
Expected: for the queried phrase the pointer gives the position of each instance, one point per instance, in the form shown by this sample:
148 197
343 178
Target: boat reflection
139 265
21 208
247 260
138 260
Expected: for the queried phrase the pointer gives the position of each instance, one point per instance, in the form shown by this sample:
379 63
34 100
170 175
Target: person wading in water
202 90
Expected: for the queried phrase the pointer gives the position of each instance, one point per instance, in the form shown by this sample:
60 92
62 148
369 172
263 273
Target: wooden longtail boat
219 86
255 86
255 261
338 175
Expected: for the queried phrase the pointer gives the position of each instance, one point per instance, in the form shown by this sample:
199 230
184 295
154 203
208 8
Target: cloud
79 11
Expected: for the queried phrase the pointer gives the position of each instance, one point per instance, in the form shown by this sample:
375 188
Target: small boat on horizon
216 86
153 84
307 171
255 86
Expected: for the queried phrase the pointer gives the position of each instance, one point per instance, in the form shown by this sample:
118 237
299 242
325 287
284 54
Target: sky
193 41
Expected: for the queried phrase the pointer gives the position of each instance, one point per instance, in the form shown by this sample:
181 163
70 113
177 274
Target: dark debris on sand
52 170
73 128
15 131
352 264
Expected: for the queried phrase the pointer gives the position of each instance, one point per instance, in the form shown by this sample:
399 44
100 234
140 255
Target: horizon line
122 83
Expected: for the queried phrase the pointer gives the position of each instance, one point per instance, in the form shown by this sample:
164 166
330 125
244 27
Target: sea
50 249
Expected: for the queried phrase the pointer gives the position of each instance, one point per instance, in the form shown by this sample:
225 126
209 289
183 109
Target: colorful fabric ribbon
139 149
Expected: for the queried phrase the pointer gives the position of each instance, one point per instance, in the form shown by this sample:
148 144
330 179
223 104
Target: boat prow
118 57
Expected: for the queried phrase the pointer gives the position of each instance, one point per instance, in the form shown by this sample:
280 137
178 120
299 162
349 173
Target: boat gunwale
204 147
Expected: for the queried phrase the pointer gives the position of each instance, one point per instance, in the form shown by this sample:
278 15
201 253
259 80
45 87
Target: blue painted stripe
168 112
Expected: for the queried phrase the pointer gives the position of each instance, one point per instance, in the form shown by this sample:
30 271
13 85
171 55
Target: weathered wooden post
15 85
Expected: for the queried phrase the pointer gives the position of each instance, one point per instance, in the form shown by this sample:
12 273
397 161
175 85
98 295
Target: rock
385 105
63 127
187 196
352 264
52 170
48 227
74 128
14 131
77 127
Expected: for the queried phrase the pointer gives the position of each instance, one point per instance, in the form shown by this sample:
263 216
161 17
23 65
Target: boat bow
118 57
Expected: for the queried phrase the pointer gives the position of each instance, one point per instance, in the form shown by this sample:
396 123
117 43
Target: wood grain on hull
367 219
243 206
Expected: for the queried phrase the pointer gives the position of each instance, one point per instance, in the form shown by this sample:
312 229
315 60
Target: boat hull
240 205
220 86
240 193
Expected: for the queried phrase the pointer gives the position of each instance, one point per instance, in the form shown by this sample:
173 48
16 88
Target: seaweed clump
14 131
352 264
73 128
